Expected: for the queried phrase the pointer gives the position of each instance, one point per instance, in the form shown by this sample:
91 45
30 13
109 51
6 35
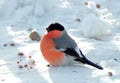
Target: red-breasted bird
58 48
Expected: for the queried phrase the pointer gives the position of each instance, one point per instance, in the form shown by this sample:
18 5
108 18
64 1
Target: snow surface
95 26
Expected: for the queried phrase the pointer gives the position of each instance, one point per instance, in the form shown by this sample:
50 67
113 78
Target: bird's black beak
47 29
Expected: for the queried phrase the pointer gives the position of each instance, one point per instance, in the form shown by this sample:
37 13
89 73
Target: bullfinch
58 48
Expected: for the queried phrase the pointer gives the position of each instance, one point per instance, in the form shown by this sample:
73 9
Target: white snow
89 29
96 31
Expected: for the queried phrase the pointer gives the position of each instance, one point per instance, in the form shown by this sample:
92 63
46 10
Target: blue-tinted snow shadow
72 74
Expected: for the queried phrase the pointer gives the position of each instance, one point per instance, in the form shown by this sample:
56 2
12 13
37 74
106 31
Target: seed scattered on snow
31 67
12 44
20 54
48 65
30 57
110 74
18 62
97 5
25 65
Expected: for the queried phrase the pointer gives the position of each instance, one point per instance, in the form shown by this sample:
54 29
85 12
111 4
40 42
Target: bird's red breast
52 55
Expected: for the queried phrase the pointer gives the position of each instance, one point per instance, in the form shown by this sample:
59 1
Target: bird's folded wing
72 52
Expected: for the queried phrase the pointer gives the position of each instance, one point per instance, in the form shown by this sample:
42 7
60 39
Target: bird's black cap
55 26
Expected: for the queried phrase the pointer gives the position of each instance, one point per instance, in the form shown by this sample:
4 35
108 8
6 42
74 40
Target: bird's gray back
65 41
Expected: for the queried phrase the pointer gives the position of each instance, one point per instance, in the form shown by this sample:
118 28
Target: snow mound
99 22
94 27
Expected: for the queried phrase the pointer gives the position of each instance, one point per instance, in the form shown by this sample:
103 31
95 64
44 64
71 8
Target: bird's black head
55 26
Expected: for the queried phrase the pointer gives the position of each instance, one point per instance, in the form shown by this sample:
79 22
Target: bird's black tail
86 61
